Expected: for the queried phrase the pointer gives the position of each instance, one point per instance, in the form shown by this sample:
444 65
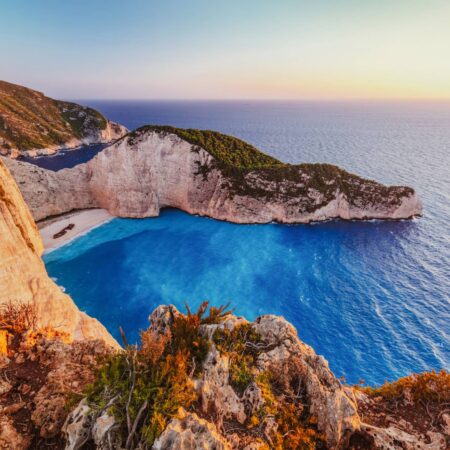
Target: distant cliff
33 124
23 278
209 174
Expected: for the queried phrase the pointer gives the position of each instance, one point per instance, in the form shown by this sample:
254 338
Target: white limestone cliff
138 176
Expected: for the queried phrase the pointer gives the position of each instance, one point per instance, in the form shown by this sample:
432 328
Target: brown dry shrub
428 387
285 400
153 344
17 318
33 336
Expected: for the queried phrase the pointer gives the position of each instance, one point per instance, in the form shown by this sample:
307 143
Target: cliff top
226 149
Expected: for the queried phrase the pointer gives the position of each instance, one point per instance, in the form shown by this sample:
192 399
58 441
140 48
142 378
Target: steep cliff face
23 278
153 168
33 124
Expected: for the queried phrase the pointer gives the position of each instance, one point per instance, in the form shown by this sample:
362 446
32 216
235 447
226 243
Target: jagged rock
216 394
162 317
446 423
229 420
4 361
82 425
335 410
76 428
4 387
13 408
333 405
252 398
100 431
392 438
189 432
229 323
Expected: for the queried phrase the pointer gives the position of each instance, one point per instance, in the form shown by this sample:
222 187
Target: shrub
426 387
143 387
17 318
283 397
142 393
240 345
281 387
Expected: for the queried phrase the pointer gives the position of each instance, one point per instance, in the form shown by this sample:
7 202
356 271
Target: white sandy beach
83 222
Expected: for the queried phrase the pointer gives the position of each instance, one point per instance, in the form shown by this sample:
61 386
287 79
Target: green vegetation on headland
30 120
228 150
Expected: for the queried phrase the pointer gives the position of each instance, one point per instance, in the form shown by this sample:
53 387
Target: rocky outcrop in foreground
32 124
242 385
204 381
23 278
208 174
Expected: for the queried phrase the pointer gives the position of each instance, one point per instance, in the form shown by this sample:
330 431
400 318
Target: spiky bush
145 386
17 318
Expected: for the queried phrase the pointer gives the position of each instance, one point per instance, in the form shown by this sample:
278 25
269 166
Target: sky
234 49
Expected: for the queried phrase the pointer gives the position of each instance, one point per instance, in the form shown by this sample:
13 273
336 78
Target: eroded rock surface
190 432
223 416
45 374
48 374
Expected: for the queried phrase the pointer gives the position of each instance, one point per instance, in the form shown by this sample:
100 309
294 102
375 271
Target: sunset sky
206 49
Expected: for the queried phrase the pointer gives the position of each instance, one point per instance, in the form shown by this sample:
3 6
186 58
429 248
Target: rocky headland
209 174
32 124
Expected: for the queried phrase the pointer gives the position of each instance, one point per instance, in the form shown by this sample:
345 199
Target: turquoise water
326 279
372 297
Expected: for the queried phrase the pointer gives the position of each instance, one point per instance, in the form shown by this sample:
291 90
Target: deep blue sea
372 297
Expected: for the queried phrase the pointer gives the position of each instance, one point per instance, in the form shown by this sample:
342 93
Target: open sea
372 297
